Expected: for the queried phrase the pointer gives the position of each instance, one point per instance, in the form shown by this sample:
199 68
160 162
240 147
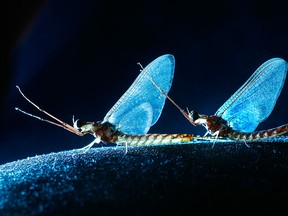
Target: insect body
133 114
251 104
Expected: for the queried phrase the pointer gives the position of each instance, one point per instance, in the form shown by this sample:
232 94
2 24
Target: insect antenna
186 114
61 124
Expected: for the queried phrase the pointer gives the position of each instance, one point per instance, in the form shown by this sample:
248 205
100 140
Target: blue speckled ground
230 177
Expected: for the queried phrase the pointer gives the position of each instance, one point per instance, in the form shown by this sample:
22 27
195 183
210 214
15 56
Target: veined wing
141 105
255 100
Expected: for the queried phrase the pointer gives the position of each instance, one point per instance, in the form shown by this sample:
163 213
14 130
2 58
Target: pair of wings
253 102
141 105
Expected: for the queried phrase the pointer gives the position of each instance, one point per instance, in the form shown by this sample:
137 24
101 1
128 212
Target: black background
79 57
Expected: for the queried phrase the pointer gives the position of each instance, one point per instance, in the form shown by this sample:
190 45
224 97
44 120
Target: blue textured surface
228 178
253 102
141 105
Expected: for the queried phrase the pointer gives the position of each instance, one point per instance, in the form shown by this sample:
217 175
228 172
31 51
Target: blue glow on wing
255 100
141 105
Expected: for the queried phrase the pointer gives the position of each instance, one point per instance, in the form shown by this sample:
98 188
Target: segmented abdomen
153 139
258 135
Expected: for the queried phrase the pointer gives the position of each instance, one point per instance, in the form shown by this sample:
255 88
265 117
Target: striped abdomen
152 139
258 135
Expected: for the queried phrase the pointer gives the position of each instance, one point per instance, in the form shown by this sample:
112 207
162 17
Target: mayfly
251 104
133 114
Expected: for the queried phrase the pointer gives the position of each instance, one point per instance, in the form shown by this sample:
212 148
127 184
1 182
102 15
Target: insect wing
255 100
141 105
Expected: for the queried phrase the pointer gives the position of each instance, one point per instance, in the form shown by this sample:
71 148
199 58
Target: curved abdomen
152 139
258 135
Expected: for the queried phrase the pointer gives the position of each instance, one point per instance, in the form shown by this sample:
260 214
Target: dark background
78 57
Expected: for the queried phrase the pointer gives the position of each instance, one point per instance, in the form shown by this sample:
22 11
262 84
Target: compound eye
194 115
78 124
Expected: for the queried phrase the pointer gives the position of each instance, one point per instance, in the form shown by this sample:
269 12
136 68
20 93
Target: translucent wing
141 105
255 100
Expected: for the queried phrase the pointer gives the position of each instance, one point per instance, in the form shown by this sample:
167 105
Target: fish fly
129 120
251 104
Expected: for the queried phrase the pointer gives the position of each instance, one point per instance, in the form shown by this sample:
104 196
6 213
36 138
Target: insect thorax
106 131
216 123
